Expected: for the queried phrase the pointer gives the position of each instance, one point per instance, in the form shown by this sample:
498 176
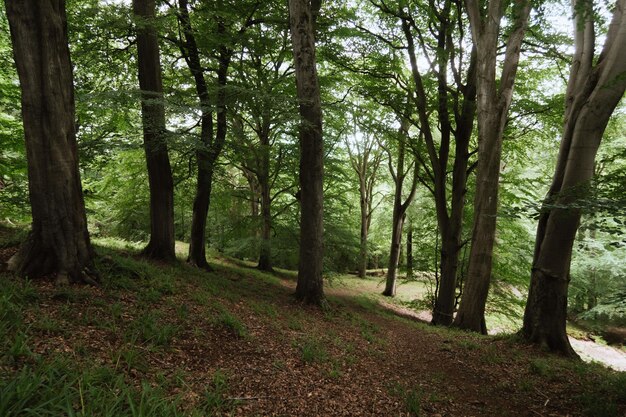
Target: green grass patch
232 323
313 351
151 328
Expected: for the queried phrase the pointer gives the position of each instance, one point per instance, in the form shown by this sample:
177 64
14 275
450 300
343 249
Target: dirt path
588 350
593 352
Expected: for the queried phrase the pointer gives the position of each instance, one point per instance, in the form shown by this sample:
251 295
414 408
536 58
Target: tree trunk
364 230
409 251
471 314
443 311
399 208
494 99
310 284
394 253
161 245
265 254
58 242
211 142
592 95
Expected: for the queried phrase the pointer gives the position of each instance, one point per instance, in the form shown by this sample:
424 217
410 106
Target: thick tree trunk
58 242
443 311
494 100
161 244
310 284
592 95
472 309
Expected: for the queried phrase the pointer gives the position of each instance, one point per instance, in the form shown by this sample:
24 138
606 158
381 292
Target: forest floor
169 340
407 304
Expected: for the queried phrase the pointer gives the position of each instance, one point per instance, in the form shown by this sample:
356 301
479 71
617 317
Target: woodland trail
589 350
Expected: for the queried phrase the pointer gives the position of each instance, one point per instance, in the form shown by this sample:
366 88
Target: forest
307 207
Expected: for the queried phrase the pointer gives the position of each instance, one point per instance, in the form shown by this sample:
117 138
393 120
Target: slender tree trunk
212 141
394 253
161 245
364 230
494 100
592 95
265 255
399 211
58 242
409 251
302 23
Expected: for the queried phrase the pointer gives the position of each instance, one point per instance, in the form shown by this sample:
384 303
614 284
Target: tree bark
592 95
161 244
399 209
365 160
211 140
461 99
409 251
363 237
494 100
265 254
302 23
58 242
451 225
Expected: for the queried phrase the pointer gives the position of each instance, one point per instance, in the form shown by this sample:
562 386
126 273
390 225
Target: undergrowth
143 311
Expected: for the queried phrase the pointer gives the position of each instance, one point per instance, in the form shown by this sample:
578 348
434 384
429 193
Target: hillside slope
159 340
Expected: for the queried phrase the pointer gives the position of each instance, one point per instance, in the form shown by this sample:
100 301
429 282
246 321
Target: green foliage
58 388
152 328
233 324
603 397
313 351
412 398
214 400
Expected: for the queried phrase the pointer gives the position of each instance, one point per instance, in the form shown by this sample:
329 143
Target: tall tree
365 160
444 116
593 91
494 99
58 241
264 80
401 202
302 16
212 132
161 244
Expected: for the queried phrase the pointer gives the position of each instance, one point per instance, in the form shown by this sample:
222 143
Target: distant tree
58 242
161 244
264 81
593 91
494 96
365 160
302 16
400 174
441 106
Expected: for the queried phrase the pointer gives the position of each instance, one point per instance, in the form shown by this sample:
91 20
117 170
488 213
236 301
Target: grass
313 351
57 387
233 324
112 351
